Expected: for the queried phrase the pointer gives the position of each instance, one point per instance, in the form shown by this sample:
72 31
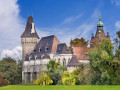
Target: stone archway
27 77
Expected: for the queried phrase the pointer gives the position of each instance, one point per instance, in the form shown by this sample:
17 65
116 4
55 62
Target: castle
36 53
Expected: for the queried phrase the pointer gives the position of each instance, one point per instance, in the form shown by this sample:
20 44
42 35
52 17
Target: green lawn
60 87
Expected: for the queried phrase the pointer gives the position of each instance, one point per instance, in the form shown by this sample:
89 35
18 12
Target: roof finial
100 22
99 15
92 34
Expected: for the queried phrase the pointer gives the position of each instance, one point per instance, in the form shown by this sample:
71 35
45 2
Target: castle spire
99 24
29 38
30 29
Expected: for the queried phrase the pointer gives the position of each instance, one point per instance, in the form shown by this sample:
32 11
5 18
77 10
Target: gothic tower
29 38
99 36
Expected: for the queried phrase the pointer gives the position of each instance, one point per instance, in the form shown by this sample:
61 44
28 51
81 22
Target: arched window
68 60
64 62
59 60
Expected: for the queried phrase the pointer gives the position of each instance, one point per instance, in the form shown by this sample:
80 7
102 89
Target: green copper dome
100 23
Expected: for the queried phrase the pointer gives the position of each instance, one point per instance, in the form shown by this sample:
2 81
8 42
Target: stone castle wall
28 45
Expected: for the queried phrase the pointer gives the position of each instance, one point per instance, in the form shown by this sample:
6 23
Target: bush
55 71
43 79
3 82
68 79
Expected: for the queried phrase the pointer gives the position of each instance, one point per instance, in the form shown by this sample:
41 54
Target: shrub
68 79
3 82
43 79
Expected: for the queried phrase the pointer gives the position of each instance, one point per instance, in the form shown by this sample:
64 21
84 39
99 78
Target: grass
60 87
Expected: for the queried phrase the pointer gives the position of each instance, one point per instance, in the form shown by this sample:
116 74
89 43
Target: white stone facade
32 68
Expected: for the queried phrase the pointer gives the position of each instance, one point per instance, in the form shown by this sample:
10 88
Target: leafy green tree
117 45
10 70
55 71
43 79
81 74
102 71
52 65
78 42
116 61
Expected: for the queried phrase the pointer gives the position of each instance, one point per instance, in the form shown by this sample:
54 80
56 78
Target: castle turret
100 32
29 38
99 36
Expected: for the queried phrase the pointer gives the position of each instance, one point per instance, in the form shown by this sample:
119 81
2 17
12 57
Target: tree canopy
79 42
103 66
11 71
55 71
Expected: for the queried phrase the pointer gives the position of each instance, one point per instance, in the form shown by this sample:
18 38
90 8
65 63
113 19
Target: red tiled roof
81 52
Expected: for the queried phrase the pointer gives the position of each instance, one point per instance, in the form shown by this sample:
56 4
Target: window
59 60
64 62
40 49
47 48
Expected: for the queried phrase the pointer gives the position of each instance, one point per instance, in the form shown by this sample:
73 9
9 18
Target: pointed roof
46 56
108 35
33 57
100 32
27 57
62 49
48 43
28 32
39 55
100 22
74 61
92 36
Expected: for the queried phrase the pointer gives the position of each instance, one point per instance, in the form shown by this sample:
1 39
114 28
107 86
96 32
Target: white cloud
116 2
89 26
85 29
117 24
11 25
72 19
14 53
41 33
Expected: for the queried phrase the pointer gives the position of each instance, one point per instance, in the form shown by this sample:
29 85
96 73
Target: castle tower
29 38
100 32
99 36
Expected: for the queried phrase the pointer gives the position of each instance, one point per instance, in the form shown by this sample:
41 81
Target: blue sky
70 14
67 19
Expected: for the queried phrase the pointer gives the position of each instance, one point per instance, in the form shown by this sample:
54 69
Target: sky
67 19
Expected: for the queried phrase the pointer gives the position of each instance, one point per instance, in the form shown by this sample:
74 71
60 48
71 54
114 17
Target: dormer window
47 47
59 49
40 49
34 50
33 28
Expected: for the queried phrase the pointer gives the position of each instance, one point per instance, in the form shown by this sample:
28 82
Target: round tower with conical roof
29 38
